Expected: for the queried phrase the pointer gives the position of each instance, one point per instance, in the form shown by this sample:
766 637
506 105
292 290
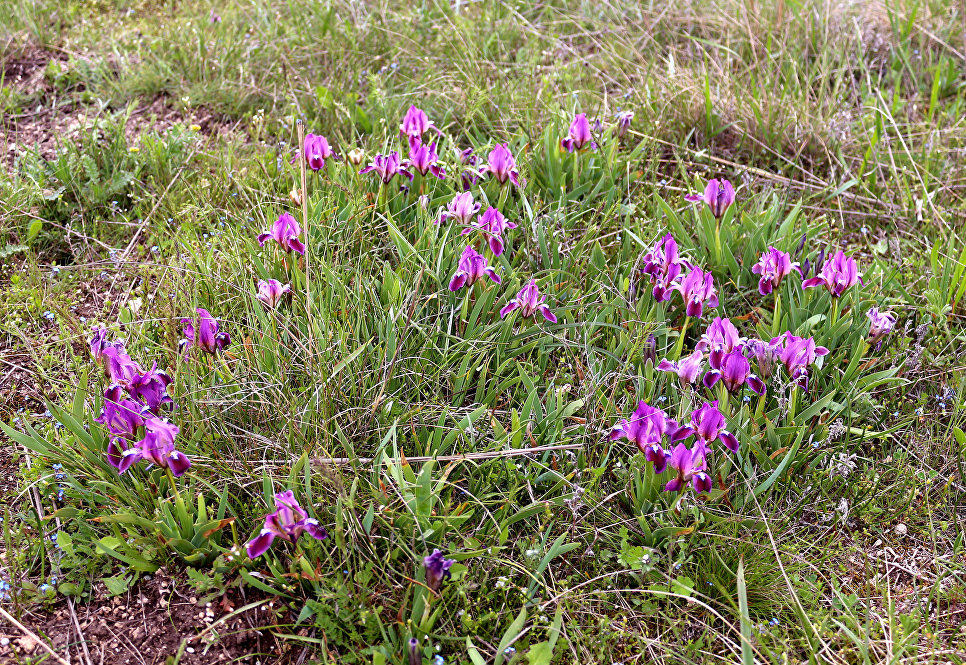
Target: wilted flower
708 425
649 352
317 151
797 354
288 522
110 356
646 428
415 123
100 342
697 289
357 156
157 447
492 223
285 231
690 465
205 335
470 174
271 291
437 569
718 194
720 338
388 167
579 136
529 302
734 372
462 208
687 369
765 355
880 325
424 159
624 119
414 657
837 275
472 267
295 196
773 266
502 166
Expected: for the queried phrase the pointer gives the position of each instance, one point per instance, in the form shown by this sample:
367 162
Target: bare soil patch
150 624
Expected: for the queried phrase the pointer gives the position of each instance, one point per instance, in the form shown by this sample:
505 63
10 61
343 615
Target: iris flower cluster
730 357
135 404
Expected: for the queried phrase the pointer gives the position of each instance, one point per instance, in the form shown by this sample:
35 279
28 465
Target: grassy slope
855 112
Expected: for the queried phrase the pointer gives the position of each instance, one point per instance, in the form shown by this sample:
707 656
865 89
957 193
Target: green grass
844 127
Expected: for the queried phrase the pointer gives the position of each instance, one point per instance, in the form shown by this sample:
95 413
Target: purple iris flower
415 123
157 447
624 119
880 325
773 266
529 302
502 166
697 289
150 388
734 372
720 338
288 522
285 231
663 266
708 425
838 274
317 151
437 569
462 208
718 194
579 135
690 465
388 167
424 159
123 418
118 365
471 268
205 334
271 292
687 369
797 354
765 355
646 428
492 223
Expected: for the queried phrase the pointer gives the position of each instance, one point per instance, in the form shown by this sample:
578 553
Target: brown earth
151 624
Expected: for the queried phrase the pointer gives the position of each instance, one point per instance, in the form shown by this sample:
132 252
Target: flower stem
174 485
835 311
793 403
680 345
776 314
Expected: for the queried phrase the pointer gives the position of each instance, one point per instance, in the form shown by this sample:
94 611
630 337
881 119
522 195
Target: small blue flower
438 660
